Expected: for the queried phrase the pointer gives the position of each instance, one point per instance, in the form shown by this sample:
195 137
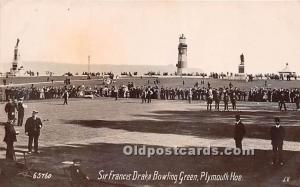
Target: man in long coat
9 139
239 132
33 127
277 135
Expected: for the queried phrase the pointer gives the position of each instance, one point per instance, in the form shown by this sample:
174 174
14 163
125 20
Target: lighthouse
182 55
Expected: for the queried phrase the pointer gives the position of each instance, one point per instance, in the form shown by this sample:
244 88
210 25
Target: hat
76 161
35 112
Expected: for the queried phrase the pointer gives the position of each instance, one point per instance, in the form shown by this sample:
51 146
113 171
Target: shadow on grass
202 123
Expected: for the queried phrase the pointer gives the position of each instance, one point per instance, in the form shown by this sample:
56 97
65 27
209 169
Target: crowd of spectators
198 92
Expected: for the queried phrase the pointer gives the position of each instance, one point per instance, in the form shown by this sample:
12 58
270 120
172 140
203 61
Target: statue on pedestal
242 59
242 65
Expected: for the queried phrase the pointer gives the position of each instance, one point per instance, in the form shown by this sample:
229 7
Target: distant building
182 55
286 72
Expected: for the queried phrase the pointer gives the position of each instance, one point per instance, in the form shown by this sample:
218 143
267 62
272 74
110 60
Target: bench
22 165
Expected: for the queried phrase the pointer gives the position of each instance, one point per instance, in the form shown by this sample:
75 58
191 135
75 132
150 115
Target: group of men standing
277 134
216 96
33 126
13 107
147 95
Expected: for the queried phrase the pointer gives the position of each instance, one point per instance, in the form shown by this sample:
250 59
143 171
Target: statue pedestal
240 76
241 69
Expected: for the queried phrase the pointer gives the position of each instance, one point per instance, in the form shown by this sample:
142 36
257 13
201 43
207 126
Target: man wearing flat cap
277 135
33 127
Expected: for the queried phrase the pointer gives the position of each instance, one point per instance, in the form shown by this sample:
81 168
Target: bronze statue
242 58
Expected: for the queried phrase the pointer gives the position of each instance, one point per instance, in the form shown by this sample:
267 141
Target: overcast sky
132 32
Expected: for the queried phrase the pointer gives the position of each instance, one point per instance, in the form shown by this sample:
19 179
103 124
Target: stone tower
182 55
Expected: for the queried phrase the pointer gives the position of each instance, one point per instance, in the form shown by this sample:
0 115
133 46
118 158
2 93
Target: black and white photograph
138 93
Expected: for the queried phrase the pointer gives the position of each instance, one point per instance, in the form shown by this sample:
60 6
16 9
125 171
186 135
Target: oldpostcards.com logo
143 150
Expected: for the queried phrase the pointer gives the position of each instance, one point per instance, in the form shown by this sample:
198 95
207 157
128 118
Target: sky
147 32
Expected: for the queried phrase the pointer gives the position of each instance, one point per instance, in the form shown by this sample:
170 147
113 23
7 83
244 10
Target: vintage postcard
139 93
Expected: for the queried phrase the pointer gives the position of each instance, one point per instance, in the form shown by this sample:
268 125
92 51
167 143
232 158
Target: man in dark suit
9 139
66 97
282 101
20 112
10 110
297 100
277 135
239 132
233 101
33 127
226 100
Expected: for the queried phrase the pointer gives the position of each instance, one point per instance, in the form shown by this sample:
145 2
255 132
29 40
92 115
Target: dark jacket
226 98
32 126
239 131
10 109
20 109
297 98
277 135
282 98
10 133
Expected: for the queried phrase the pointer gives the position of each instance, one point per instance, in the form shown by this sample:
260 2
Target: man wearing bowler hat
239 132
33 127
10 110
20 109
277 136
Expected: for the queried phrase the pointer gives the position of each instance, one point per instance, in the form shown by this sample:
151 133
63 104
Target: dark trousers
226 106
20 119
217 105
297 104
65 101
143 99
238 144
277 153
10 151
208 106
233 105
282 104
33 138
